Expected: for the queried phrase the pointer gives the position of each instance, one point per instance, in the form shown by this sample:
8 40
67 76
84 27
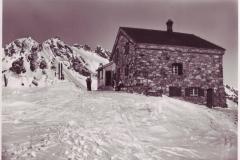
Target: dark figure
119 86
89 83
5 80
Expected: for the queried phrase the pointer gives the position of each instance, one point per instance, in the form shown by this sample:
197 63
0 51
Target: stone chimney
169 26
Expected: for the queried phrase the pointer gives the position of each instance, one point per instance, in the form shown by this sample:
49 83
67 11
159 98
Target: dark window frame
177 68
194 92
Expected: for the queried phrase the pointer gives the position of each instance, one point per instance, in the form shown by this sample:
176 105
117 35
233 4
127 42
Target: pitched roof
168 38
105 65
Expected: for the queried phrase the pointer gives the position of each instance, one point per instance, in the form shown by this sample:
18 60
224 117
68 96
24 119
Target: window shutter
200 92
187 92
179 90
180 71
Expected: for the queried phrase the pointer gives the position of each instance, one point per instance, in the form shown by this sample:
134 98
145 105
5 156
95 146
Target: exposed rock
43 64
18 66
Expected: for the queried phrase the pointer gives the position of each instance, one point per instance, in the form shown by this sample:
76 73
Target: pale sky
96 22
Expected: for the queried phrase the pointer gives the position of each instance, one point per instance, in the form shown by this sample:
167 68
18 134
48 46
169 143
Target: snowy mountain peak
102 52
20 45
25 60
53 40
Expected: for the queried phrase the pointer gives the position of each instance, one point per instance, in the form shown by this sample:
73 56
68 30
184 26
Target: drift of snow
63 122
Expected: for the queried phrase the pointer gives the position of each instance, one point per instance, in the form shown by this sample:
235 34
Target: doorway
210 97
108 80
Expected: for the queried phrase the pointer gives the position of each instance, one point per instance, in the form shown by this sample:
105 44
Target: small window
175 91
194 92
177 68
145 73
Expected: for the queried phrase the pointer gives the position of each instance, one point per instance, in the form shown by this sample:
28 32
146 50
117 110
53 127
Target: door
108 80
175 91
210 97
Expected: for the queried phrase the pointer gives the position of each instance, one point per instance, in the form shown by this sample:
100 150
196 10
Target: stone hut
171 63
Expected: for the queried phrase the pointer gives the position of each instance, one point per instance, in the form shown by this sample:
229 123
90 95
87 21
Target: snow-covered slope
27 62
231 93
91 60
47 123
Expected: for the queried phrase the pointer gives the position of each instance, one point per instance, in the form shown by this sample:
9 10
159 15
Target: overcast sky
96 22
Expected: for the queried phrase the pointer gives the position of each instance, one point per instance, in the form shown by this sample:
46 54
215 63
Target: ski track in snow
63 122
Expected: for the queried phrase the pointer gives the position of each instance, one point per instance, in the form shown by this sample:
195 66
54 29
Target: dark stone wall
150 70
123 58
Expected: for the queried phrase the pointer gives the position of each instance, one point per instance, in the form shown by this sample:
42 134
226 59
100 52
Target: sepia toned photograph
119 80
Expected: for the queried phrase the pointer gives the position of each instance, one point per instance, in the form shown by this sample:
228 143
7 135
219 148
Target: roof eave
154 47
121 30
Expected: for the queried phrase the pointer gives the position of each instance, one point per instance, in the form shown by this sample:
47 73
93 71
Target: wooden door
210 97
108 78
175 91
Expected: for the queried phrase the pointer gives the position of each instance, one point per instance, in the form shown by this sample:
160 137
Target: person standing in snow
5 80
120 85
89 83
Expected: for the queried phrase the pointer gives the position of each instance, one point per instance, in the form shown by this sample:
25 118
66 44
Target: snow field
63 122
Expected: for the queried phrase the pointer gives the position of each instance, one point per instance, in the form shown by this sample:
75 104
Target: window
145 73
175 91
177 68
194 92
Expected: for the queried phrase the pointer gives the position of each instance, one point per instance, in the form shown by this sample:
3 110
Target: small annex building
155 62
106 76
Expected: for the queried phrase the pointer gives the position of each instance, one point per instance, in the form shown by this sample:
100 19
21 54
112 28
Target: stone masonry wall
153 68
123 59
150 69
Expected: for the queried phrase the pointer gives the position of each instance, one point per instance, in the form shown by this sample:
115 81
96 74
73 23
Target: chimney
169 26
